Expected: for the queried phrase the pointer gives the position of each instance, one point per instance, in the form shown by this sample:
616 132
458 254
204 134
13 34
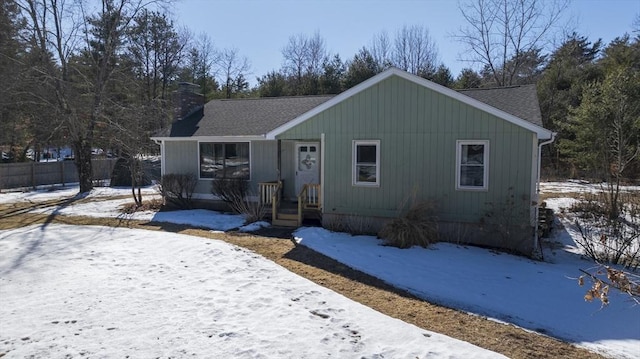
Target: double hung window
472 168
366 163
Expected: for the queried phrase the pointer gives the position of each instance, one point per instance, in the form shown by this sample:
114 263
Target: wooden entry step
286 220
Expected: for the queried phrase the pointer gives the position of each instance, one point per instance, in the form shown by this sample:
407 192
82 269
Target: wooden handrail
275 200
270 193
309 197
301 199
266 190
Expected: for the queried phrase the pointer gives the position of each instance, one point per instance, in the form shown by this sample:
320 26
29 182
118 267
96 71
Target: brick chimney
187 100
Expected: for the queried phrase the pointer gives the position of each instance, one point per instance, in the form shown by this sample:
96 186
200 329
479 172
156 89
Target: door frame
296 159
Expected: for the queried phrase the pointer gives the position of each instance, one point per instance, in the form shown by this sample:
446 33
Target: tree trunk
135 183
84 166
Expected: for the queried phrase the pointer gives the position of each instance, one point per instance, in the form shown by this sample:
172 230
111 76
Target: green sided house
359 156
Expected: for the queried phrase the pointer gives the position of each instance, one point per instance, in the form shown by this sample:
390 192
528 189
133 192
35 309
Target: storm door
307 164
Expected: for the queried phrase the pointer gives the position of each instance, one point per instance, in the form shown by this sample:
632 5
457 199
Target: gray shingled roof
243 117
258 116
520 101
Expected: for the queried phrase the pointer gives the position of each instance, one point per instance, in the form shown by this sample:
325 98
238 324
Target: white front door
307 164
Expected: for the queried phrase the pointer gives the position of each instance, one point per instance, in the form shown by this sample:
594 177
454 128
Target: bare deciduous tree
132 124
304 54
295 55
500 32
303 58
381 49
85 44
201 59
233 69
414 51
316 54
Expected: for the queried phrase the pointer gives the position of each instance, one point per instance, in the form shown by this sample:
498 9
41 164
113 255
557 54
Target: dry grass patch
155 204
417 227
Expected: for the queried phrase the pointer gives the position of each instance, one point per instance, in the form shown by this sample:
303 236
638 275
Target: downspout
536 243
279 160
162 162
322 147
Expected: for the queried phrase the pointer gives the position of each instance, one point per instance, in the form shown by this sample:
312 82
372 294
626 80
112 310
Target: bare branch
414 50
232 67
499 32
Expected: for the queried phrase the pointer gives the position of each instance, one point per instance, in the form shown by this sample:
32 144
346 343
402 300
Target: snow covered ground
106 292
129 292
46 193
579 186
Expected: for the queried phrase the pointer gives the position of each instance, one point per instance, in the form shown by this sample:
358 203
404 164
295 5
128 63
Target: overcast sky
259 29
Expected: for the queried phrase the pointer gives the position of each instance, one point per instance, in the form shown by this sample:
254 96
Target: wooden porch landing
287 213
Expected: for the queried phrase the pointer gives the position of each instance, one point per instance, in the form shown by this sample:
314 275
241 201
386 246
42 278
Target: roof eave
212 138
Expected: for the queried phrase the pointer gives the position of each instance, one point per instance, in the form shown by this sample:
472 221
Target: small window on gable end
472 165
366 163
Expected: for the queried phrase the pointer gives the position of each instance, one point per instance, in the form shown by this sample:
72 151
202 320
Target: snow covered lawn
541 296
577 186
103 207
71 291
130 292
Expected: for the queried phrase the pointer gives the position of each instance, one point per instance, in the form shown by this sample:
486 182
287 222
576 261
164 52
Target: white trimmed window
472 167
224 160
366 163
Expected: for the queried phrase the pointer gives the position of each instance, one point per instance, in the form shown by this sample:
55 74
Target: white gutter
537 214
212 138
